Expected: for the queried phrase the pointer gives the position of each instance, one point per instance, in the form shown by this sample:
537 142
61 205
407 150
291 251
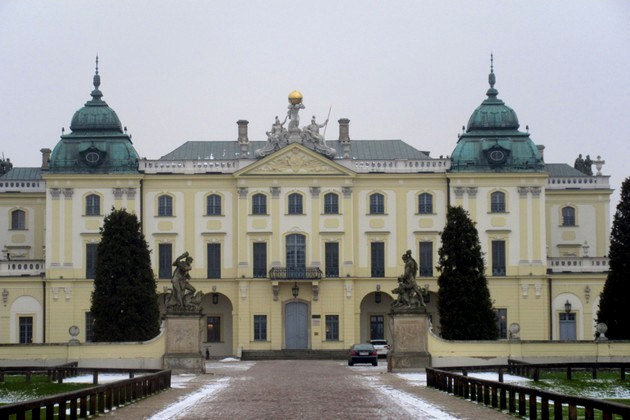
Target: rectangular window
260 327
260 259
498 258
378 259
214 261
426 259
332 259
501 316
165 261
89 324
26 329
332 327
377 327
90 260
214 329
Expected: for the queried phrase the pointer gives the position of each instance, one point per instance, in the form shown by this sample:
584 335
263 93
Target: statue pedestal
183 343
409 348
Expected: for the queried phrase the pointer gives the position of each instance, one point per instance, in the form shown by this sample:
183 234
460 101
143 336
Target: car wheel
350 363
375 363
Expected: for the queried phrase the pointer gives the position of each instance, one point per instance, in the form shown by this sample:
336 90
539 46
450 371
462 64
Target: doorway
296 325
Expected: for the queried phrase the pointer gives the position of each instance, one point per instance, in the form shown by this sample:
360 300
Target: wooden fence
525 401
88 401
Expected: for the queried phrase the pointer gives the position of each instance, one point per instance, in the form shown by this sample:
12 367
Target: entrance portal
296 325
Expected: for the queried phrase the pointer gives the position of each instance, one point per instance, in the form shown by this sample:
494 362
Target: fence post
2 376
569 373
623 373
533 408
536 374
95 377
595 372
27 376
502 399
544 408
501 375
557 409
512 401
521 403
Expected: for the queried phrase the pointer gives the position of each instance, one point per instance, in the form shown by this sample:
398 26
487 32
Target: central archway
374 309
216 325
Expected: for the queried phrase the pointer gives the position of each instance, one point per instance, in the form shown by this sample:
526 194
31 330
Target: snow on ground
180 381
418 379
103 378
179 408
230 359
493 376
228 365
416 407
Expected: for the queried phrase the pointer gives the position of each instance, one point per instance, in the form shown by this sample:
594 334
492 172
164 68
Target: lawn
16 389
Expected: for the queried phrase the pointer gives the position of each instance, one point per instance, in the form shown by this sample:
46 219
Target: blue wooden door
296 325
567 326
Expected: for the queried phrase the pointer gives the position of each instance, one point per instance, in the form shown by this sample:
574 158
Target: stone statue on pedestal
311 138
183 297
408 291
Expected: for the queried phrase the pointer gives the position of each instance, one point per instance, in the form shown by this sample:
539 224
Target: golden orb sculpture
295 97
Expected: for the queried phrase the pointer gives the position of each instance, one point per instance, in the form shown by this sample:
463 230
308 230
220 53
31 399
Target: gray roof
23 174
562 170
359 150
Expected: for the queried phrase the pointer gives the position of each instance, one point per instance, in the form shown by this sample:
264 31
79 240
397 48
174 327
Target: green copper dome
492 142
97 143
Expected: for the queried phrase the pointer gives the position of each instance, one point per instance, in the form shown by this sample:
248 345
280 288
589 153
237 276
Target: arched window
568 216
377 203
213 205
93 205
259 204
296 256
497 202
295 203
18 220
331 203
165 205
425 203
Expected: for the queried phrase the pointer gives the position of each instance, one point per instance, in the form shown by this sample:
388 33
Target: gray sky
187 70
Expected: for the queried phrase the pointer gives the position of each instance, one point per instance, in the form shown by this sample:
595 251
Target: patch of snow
419 379
179 408
103 378
228 365
230 359
493 376
415 407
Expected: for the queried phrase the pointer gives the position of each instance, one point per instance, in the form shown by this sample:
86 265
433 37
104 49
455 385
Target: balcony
17 268
577 264
289 273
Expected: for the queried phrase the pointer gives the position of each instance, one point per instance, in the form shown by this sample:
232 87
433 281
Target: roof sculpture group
309 136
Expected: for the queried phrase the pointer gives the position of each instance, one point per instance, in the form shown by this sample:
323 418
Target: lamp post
295 290
567 307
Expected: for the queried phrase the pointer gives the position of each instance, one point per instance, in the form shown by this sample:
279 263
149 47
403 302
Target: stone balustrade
22 186
577 264
578 182
397 165
17 268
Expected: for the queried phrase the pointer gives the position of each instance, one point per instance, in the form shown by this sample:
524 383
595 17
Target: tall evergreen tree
613 305
124 300
463 296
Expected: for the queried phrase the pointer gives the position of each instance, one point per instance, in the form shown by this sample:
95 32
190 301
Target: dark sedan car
362 353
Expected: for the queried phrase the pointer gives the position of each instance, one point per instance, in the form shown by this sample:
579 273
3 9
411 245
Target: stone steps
294 355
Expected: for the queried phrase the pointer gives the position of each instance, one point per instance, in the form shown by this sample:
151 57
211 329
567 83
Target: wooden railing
522 400
88 401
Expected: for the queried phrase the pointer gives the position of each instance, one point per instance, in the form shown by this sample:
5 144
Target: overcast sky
187 70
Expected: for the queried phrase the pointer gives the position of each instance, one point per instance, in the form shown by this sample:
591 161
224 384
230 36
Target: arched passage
374 309
217 325
26 320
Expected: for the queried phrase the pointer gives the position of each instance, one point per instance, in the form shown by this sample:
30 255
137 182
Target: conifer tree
463 296
613 305
124 300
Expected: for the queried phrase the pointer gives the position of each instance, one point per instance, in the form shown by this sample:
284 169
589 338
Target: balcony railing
290 273
577 264
21 268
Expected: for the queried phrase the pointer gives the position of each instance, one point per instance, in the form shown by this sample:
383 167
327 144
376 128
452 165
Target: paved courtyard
292 389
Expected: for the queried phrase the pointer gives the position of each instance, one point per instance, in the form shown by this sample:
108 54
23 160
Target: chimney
45 158
344 137
541 151
242 136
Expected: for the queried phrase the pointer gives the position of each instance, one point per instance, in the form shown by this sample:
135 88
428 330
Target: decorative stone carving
601 329
54 193
315 191
522 191
348 287
118 193
183 297
525 289
242 192
312 139
315 291
408 291
275 288
538 288
346 191
131 193
598 165
535 191
472 191
67 193
68 291
277 138
587 293
55 291
295 162
459 192
243 289
275 192
515 329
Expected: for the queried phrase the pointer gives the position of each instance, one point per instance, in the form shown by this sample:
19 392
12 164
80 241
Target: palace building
297 241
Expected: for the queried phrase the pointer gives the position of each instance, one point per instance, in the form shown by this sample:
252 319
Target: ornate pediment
295 160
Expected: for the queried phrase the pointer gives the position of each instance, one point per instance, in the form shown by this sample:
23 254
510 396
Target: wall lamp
567 307
295 290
